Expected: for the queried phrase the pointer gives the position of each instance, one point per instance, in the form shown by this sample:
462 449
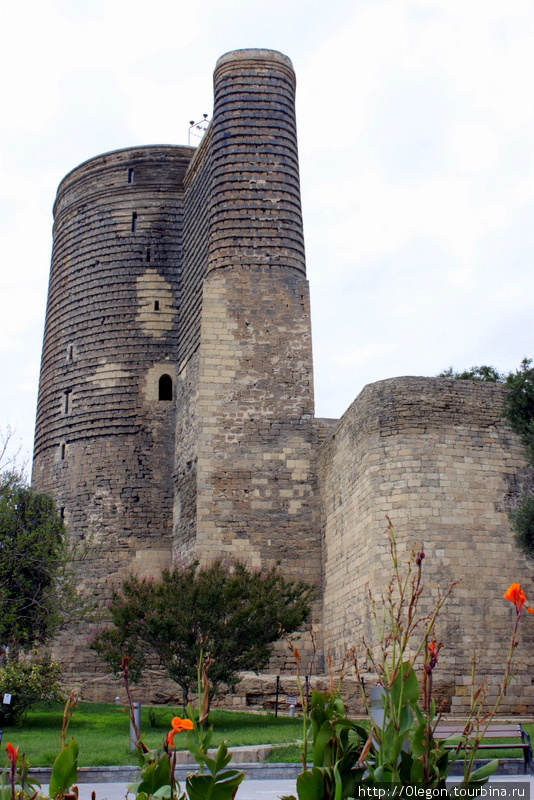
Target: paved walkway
249 790
273 789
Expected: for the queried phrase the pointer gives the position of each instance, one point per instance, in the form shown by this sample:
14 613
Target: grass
287 754
102 732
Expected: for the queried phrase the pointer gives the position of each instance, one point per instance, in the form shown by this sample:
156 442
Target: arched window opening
165 387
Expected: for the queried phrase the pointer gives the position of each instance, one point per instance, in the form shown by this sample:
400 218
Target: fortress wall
434 455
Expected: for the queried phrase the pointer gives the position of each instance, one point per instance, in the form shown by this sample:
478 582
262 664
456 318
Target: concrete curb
253 771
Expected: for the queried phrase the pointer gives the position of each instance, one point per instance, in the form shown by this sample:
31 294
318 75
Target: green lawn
102 732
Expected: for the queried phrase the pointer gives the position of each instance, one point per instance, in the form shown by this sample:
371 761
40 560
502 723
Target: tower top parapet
254 54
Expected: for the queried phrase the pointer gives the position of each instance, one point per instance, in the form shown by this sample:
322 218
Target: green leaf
406 721
310 785
405 766
405 686
222 757
416 740
210 787
484 771
163 791
324 737
416 772
155 775
386 774
338 783
65 769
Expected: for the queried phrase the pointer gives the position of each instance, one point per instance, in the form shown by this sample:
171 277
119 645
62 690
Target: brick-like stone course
104 441
436 456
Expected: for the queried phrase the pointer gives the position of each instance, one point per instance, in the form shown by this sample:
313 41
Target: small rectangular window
63 451
130 175
134 221
156 305
66 396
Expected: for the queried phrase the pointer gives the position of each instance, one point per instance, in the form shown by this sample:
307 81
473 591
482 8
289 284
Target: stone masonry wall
197 188
435 455
257 476
104 440
188 267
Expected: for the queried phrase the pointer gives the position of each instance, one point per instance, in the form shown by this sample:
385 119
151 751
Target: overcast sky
416 156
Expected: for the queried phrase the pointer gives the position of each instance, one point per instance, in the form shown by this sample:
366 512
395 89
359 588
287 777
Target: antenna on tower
197 130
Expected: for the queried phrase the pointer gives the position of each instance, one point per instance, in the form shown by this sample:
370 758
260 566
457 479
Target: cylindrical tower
254 207
104 444
256 474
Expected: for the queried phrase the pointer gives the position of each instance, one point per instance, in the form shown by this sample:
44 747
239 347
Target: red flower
12 753
516 595
178 725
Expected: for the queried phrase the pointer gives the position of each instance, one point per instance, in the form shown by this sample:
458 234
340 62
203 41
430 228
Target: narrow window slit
156 305
131 175
148 255
63 450
134 221
165 388
66 397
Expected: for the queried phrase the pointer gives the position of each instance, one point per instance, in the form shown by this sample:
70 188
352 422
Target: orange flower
516 595
178 725
433 651
12 753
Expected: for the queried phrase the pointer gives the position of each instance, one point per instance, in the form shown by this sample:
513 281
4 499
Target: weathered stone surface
176 416
434 455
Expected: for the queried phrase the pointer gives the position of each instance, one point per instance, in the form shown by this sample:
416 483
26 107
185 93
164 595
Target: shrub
27 682
523 523
224 610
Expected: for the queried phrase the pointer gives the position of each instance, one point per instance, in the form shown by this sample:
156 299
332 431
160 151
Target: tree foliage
32 561
519 411
523 523
483 373
519 408
225 610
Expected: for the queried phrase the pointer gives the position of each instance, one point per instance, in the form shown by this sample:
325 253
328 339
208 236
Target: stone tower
245 479
106 411
176 421
175 412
